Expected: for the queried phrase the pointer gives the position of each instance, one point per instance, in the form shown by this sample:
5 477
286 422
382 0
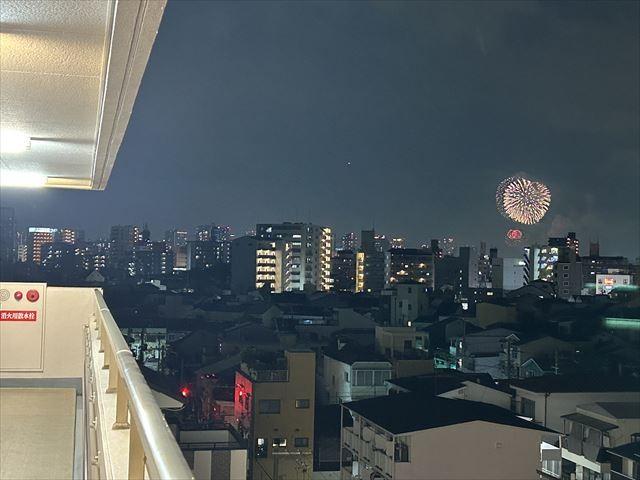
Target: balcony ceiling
69 74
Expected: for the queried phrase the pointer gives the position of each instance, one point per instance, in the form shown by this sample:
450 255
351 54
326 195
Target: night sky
402 115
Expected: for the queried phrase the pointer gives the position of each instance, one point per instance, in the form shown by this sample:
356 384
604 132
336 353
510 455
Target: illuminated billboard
606 282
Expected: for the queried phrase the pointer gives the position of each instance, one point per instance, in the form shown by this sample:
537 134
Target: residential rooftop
350 354
578 383
411 412
620 410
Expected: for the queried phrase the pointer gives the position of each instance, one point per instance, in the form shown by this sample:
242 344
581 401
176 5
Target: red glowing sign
185 392
514 234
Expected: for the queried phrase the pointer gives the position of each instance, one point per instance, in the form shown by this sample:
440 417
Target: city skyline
192 232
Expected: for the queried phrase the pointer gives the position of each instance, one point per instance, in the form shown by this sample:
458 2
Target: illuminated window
279 442
302 403
261 448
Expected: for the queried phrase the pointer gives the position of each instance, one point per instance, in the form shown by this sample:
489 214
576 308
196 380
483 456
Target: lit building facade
152 258
540 262
569 241
257 262
397 242
371 262
311 247
176 238
204 255
409 265
122 239
349 241
343 271
36 237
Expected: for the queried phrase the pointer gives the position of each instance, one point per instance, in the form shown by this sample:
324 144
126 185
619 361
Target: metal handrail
160 452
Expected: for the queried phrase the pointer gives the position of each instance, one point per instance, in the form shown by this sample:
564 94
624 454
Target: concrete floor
37 428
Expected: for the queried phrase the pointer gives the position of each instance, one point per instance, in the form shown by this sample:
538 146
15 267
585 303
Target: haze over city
402 115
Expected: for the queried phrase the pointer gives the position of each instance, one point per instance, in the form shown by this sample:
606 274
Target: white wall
67 311
472 451
559 404
340 390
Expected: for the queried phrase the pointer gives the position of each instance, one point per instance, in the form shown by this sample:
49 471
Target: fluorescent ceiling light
12 141
13 178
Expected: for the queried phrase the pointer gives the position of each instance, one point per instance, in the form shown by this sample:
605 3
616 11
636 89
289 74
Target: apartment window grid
369 378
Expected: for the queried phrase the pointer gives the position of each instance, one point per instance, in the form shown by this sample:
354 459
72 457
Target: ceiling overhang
69 75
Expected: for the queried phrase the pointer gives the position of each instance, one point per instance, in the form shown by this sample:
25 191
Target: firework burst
523 200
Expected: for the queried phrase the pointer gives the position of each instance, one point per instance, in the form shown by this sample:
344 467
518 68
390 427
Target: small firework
523 200
514 234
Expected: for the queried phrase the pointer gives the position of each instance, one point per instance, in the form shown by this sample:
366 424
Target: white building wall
558 404
472 451
336 389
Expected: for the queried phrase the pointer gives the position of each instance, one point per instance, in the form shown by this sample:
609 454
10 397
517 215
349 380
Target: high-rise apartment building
343 271
397 242
349 241
470 267
213 232
36 238
409 265
434 245
311 247
370 263
569 241
176 238
204 255
122 238
448 246
257 262
151 258
204 233
507 273
568 273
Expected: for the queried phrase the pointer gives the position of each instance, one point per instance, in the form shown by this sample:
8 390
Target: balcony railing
269 375
152 446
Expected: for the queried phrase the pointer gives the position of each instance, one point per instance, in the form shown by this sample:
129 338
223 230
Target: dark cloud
252 111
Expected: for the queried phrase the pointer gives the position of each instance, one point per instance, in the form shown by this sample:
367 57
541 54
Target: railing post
136 453
101 336
122 406
106 360
113 373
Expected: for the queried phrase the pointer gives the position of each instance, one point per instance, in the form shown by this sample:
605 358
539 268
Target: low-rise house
351 373
546 399
413 436
496 311
480 352
406 348
525 356
591 430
